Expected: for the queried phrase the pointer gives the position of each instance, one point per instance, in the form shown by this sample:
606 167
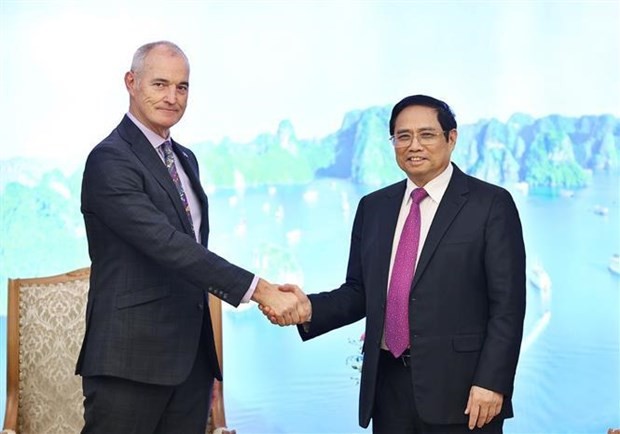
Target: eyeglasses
404 139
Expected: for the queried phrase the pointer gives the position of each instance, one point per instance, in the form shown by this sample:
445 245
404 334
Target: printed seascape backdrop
288 117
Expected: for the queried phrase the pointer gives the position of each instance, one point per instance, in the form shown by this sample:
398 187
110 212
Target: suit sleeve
346 304
504 260
116 198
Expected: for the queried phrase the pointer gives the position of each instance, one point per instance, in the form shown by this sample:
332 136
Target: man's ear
130 81
452 135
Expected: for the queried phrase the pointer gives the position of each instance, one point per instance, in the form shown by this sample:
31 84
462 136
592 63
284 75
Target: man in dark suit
148 359
463 305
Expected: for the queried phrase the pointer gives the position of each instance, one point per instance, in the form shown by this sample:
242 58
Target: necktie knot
166 147
418 194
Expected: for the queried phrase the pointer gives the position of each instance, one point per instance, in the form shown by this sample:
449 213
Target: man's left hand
482 406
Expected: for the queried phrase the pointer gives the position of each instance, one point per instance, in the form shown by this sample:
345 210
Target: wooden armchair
45 327
217 416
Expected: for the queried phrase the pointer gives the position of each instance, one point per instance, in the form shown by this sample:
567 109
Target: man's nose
415 143
171 94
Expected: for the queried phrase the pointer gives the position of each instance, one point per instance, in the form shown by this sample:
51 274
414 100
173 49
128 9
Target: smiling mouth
415 159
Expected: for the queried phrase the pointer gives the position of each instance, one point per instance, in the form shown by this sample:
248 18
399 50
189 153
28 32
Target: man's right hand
303 307
281 307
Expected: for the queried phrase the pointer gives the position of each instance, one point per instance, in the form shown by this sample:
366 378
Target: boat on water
614 264
539 278
601 210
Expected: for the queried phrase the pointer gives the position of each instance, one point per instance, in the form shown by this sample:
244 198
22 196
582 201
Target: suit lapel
453 200
389 208
191 170
153 163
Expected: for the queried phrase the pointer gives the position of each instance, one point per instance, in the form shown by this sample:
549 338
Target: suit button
201 306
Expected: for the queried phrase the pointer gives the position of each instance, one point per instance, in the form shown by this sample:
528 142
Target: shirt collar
435 188
154 139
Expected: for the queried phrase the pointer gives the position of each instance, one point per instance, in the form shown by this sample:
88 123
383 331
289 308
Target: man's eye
183 88
403 137
427 135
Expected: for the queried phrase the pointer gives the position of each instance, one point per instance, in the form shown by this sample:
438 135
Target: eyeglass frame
416 136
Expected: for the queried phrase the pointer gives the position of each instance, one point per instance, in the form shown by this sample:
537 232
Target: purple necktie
397 310
172 169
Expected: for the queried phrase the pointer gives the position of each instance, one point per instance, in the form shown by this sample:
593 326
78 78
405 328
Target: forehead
417 116
165 62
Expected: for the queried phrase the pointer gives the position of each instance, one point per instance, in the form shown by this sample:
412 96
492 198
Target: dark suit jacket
149 277
467 301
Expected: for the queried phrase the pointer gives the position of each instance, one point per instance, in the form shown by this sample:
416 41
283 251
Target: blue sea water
568 379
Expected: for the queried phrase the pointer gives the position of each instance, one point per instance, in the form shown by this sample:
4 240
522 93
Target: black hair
445 116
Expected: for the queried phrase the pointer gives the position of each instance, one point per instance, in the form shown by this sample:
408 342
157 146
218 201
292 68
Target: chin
417 175
167 124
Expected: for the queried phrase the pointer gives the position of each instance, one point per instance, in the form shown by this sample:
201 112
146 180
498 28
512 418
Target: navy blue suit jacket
149 277
467 301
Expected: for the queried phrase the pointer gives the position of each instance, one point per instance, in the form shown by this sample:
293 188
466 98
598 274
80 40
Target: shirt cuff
250 292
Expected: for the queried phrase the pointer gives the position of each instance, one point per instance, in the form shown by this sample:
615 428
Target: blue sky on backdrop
255 63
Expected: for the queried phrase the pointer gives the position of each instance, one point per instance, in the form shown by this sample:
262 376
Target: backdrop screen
288 114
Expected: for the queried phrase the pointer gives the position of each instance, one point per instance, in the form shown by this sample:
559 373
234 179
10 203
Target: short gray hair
137 63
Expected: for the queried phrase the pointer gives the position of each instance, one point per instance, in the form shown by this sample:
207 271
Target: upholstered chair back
45 325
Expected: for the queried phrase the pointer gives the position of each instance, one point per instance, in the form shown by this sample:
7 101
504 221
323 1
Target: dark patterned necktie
174 174
397 310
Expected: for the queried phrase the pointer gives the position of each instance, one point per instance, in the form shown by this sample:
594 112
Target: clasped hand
282 304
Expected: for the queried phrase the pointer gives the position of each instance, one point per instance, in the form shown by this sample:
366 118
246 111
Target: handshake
282 304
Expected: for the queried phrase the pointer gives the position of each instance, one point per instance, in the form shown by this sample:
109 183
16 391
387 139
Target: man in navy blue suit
148 359
464 303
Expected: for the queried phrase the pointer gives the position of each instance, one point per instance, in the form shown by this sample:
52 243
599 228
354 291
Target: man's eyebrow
409 130
166 81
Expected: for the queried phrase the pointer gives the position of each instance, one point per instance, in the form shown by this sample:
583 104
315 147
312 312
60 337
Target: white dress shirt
428 207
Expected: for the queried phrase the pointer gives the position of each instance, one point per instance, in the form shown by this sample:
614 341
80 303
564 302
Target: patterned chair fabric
45 326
